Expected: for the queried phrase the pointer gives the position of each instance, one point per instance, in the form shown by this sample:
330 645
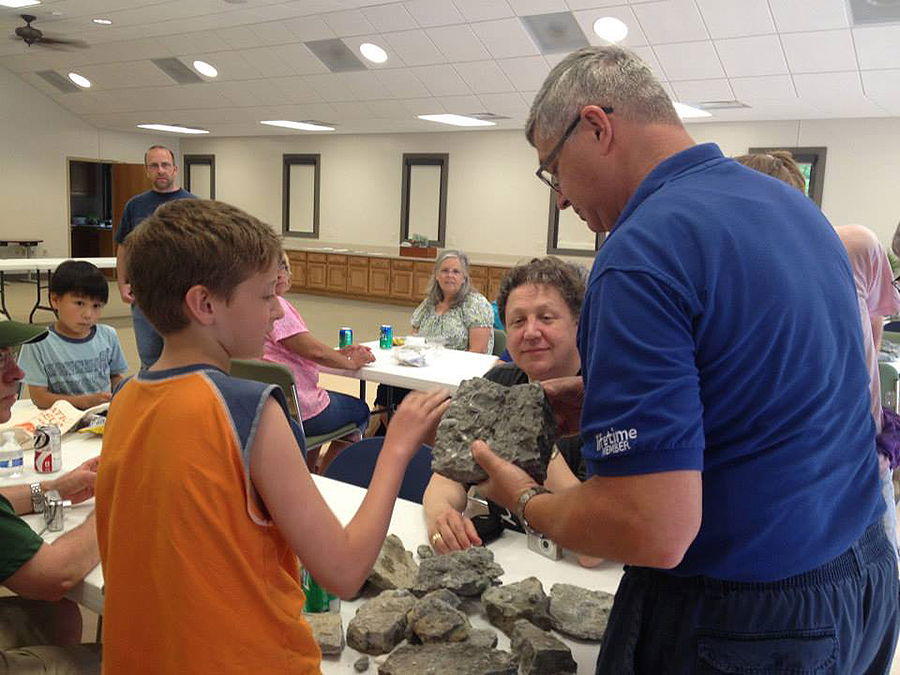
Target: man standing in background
159 161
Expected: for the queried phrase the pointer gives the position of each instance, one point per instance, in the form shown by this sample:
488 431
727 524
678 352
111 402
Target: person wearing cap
39 630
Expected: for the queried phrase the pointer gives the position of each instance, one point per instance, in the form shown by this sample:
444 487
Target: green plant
419 240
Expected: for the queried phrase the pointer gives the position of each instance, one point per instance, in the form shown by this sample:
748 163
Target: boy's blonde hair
189 242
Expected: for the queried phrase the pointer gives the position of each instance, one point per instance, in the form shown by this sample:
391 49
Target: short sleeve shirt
69 366
143 205
454 324
311 398
18 542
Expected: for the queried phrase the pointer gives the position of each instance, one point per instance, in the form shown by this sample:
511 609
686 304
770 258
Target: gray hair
604 76
435 294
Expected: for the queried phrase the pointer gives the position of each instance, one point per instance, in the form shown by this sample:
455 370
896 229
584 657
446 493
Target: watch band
37 498
523 500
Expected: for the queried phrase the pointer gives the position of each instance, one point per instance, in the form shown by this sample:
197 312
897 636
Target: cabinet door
316 271
401 279
358 275
495 278
298 269
337 272
380 278
422 275
478 278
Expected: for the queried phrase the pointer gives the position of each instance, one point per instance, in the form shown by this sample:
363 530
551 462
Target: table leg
362 389
3 295
37 303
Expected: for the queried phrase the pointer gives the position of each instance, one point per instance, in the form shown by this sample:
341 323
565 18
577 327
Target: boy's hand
85 401
416 420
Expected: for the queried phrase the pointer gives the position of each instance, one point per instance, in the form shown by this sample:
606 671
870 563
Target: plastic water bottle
12 458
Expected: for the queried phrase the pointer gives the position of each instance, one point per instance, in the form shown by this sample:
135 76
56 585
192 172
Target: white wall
36 138
496 205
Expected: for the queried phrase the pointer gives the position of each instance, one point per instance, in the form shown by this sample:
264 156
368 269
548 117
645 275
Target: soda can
345 337
386 336
47 449
317 598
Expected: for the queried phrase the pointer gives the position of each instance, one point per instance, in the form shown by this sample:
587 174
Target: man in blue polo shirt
725 413
159 161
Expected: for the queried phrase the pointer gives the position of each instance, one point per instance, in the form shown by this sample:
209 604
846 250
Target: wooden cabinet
358 274
402 279
336 270
380 277
495 278
478 278
423 273
316 271
298 269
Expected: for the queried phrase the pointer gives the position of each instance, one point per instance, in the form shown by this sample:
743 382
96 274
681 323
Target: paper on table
62 413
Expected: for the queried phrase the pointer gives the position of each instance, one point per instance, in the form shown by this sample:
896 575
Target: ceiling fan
31 35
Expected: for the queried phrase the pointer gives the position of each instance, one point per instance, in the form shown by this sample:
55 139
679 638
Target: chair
499 342
356 464
276 373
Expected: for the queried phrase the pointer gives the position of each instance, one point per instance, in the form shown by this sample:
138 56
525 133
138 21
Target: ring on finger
435 537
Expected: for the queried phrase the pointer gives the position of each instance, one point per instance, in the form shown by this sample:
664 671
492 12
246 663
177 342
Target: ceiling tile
329 87
401 83
267 62
736 18
635 37
505 38
696 91
689 61
461 105
512 104
794 16
750 56
299 58
428 13
483 10
527 73
442 80
270 33
309 28
295 89
765 88
528 7
188 43
350 110
127 75
671 21
484 77
648 56
824 86
230 66
458 43
351 22
591 4
389 17
819 51
354 43
877 46
422 106
387 109
363 85
883 87
238 37
414 47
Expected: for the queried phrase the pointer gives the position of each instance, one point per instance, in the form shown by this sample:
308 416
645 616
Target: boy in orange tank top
206 467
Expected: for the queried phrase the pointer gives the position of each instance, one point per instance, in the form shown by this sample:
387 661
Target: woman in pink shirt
291 344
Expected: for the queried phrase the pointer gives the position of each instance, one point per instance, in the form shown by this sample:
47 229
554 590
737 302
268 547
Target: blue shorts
839 618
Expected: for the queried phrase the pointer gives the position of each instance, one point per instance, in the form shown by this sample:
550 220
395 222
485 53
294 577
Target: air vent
58 81
720 105
336 56
874 11
554 33
488 116
177 71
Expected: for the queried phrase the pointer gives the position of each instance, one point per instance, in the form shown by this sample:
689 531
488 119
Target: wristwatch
523 500
37 498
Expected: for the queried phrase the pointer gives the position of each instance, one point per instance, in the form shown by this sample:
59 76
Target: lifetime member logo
614 441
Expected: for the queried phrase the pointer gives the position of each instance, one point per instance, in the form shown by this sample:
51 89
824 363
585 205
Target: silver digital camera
546 547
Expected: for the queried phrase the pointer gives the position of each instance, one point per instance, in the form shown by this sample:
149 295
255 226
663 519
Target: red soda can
47 449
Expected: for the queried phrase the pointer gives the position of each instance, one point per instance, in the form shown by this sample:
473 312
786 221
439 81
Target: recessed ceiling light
457 120
172 128
103 22
374 53
205 68
686 111
80 80
19 3
610 29
302 126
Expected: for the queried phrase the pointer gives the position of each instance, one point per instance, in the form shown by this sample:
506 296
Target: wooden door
128 180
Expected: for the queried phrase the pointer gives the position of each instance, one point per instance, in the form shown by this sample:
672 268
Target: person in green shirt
40 632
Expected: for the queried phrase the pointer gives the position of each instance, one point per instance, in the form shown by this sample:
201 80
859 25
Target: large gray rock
579 612
424 551
361 664
394 567
516 422
380 623
482 637
524 599
327 630
539 652
458 658
433 619
467 573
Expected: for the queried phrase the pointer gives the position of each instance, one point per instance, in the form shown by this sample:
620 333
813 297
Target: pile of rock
419 617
